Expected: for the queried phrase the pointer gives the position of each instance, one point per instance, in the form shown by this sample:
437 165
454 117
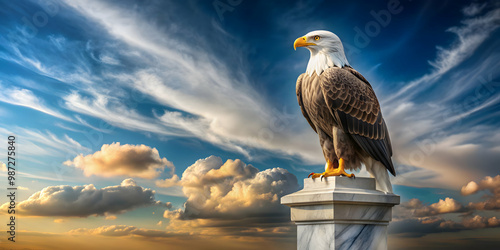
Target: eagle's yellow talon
332 171
314 175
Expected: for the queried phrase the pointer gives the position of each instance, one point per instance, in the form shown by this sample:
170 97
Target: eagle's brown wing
355 108
298 89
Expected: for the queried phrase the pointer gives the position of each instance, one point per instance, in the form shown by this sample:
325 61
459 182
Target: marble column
341 213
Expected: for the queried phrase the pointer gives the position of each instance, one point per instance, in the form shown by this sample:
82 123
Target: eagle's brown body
341 106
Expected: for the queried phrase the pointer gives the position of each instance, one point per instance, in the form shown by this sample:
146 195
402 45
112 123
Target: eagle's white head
326 51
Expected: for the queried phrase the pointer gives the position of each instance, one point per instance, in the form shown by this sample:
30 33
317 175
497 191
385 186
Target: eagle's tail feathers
378 171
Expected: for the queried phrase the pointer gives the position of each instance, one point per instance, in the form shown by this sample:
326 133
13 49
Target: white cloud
414 219
43 143
232 198
470 188
474 222
86 200
472 34
488 183
59 221
473 9
3 167
111 110
108 59
26 98
218 105
492 184
122 230
122 160
169 182
416 208
213 100
448 205
429 118
233 189
110 217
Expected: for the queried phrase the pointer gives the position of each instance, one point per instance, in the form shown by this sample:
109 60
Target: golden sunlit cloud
232 198
489 184
233 189
414 219
122 230
122 160
448 205
59 220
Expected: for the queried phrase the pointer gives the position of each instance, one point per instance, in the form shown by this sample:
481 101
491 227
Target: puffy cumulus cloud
413 203
488 183
3 167
122 160
470 188
492 186
233 189
491 204
233 198
122 230
86 200
169 182
418 209
448 205
415 219
472 222
418 227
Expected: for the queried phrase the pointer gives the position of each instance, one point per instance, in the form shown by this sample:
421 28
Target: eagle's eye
316 38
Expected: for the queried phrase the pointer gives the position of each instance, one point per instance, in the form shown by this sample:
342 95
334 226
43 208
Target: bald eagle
342 108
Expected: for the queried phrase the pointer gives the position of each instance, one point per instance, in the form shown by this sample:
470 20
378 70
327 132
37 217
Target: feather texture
343 98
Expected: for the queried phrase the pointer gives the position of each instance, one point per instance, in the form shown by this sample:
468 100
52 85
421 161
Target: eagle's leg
332 170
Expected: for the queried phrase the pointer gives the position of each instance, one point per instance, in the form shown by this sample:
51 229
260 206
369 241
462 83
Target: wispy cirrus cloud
189 87
218 104
474 9
444 135
472 33
26 98
39 143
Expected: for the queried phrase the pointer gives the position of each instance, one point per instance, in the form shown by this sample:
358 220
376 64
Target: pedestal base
341 213
341 236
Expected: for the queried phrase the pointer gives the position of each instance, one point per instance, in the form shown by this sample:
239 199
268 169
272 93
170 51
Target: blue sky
85 84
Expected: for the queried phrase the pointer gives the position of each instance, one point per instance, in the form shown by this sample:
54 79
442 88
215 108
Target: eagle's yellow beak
301 42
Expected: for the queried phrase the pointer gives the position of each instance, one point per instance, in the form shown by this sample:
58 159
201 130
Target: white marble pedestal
341 213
